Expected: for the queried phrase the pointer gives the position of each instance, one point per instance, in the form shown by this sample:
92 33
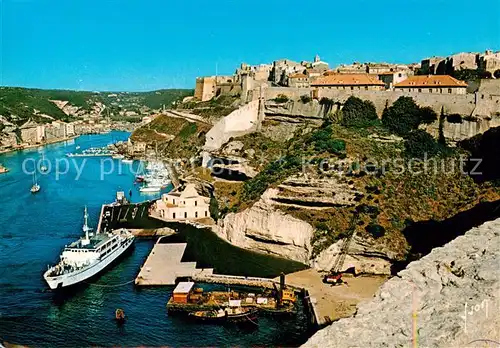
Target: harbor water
35 227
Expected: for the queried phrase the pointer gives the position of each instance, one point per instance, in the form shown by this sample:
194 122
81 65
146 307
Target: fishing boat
232 315
88 256
36 187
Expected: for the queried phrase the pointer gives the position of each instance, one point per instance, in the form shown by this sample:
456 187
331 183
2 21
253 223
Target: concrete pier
163 266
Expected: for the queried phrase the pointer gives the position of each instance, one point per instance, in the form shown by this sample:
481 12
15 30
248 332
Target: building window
173 215
366 88
482 96
174 201
206 213
440 90
195 203
399 75
195 214
430 90
420 89
449 90
185 215
352 88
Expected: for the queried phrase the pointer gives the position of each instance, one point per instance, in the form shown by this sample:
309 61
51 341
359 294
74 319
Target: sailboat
35 188
43 167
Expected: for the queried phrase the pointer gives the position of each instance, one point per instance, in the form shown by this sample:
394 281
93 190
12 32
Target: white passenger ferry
88 256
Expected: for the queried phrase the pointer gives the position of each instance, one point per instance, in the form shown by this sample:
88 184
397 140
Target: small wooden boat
120 315
232 315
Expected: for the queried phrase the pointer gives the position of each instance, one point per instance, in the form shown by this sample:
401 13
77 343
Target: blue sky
145 45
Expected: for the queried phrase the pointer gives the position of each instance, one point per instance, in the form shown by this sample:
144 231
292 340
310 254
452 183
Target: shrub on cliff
323 141
419 143
358 113
375 230
454 118
305 99
281 98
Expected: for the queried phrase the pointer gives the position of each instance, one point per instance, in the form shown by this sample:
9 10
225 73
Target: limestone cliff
365 256
266 229
240 122
452 296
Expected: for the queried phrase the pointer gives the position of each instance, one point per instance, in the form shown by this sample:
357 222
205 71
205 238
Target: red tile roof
297 75
431 80
348 80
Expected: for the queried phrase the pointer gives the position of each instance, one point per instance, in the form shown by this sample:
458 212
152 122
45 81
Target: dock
329 303
114 214
163 266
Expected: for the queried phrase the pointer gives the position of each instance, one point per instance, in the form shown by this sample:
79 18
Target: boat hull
250 316
80 276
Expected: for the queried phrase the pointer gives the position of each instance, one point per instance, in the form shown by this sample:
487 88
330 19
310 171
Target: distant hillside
20 104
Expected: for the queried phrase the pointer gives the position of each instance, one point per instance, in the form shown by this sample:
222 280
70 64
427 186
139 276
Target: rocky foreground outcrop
449 298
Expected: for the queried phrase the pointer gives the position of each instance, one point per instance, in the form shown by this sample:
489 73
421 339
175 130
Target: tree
402 117
358 113
441 138
497 74
305 98
281 98
466 74
419 143
427 115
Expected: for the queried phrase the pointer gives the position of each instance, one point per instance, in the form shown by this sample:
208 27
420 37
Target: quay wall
310 309
236 280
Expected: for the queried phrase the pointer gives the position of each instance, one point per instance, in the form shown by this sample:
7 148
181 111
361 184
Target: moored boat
36 187
231 314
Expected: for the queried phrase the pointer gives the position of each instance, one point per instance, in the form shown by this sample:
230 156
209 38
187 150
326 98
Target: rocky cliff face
449 298
266 229
365 256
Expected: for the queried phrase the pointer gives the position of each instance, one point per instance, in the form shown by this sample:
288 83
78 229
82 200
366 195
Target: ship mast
86 228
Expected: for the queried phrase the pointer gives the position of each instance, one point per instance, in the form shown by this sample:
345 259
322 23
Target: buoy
120 314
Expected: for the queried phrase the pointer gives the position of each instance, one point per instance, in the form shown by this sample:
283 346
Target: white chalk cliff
449 298
240 122
266 229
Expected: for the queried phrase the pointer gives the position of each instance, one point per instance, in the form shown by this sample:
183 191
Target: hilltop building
298 80
392 78
211 86
185 203
349 82
441 84
489 61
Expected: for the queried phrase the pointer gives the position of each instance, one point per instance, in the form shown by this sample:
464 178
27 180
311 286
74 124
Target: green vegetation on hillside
212 109
19 104
173 137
